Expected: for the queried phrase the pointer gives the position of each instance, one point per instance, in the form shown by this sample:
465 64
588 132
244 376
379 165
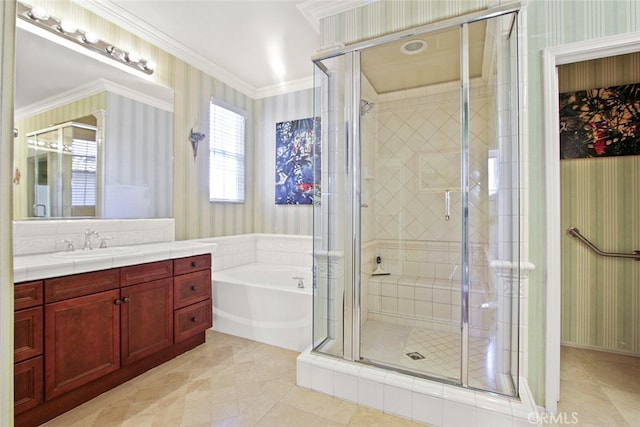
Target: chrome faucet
88 234
300 281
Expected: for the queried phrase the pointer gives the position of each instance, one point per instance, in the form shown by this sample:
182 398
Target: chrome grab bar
574 232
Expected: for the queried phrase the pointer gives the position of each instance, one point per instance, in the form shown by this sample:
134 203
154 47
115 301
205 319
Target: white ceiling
264 43
259 47
253 45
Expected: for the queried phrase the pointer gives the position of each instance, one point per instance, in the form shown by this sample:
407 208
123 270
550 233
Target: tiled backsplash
42 236
280 249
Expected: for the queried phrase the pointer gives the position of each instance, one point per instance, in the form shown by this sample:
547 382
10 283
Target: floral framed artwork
297 160
600 122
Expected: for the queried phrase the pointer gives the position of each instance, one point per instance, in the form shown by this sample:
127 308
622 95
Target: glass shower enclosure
416 218
62 176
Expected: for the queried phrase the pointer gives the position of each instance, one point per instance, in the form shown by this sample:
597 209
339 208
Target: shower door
416 219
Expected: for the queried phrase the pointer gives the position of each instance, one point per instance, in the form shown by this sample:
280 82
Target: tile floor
602 389
228 381
389 343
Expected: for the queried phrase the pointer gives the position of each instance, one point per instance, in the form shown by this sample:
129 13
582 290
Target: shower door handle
447 205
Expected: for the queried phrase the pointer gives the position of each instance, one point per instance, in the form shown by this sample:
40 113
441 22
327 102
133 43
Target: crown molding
61 99
315 10
112 12
90 89
165 103
285 87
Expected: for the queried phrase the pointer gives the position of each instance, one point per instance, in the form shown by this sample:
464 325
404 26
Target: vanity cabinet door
82 341
27 384
146 319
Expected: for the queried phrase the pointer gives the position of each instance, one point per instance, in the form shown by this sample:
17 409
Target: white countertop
42 266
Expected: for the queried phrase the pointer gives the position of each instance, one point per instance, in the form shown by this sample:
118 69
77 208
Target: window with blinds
226 155
83 172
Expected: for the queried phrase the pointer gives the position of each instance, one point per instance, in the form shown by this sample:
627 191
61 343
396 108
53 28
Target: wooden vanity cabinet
103 328
28 346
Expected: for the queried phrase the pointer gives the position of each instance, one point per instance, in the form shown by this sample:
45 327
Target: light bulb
39 13
132 57
67 27
90 37
150 65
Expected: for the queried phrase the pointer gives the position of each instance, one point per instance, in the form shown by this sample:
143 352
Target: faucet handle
69 247
103 242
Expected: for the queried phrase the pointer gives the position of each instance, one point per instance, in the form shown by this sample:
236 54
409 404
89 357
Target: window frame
240 179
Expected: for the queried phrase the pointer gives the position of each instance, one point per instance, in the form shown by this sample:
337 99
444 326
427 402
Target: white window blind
83 173
226 155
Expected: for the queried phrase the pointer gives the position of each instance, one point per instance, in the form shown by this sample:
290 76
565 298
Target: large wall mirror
93 139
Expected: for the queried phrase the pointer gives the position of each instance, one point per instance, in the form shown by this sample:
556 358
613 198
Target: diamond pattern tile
417 157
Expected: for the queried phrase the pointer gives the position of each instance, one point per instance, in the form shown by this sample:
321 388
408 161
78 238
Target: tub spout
300 281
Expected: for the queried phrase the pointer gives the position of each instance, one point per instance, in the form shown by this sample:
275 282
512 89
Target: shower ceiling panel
389 70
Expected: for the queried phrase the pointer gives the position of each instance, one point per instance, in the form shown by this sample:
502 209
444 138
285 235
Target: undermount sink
96 253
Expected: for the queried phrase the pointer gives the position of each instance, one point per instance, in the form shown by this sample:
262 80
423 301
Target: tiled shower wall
416 161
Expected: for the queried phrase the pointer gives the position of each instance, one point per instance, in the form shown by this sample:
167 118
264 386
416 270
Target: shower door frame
352 299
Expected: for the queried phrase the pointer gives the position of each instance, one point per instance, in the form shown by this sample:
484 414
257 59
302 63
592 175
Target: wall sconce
39 17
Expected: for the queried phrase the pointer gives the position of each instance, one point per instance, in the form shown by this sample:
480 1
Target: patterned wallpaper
600 296
137 161
552 23
269 217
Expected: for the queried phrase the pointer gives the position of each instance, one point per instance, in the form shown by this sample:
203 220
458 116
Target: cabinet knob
118 301
194 319
194 264
125 299
194 288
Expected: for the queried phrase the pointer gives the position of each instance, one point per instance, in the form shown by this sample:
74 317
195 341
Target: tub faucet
88 234
300 281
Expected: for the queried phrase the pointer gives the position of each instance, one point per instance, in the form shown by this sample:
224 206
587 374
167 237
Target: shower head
365 106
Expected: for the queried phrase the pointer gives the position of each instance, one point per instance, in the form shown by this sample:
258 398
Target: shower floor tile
390 344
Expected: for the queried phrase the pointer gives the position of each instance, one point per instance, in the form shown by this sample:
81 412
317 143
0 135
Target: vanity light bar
40 17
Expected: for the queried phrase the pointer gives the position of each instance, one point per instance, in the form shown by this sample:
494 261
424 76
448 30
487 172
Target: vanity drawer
77 285
191 320
192 263
28 338
146 272
191 288
28 294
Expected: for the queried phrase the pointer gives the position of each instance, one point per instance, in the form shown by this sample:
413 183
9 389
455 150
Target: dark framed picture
297 161
600 122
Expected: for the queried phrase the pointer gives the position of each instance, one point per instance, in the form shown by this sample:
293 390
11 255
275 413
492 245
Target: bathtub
262 302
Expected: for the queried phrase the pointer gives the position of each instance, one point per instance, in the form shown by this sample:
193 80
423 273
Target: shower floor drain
414 355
